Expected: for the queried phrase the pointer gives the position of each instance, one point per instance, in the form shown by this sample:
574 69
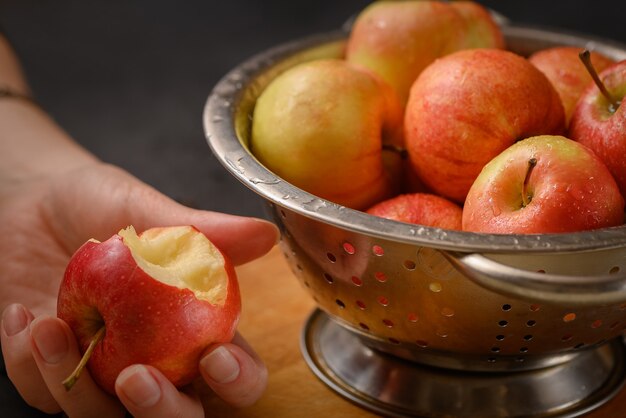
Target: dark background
128 79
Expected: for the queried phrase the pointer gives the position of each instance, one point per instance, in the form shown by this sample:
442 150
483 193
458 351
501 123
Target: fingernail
221 365
50 339
14 319
139 386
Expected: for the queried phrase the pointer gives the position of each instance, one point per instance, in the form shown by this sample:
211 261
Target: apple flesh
468 107
601 125
160 298
398 39
331 129
565 188
420 209
567 74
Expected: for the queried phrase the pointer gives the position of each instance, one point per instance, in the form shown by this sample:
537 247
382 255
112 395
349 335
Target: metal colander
458 300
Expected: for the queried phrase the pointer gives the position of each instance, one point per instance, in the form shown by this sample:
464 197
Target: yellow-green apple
420 208
331 129
543 184
479 29
469 106
567 74
398 39
599 121
159 298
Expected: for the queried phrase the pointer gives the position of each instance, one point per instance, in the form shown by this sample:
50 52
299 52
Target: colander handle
540 287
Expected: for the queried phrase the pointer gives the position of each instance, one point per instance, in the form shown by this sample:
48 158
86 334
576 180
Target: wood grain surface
275 309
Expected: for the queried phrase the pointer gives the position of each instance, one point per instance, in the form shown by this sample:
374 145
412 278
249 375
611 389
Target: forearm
31 143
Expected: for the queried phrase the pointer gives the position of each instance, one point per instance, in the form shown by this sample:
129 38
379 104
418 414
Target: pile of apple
428 119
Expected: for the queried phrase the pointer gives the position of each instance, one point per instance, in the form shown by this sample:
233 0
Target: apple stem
526 198
72 378
585 57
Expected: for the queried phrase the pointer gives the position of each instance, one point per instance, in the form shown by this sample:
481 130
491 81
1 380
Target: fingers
147 393
19 362
125 200
235 372
56 354
242 239
39 354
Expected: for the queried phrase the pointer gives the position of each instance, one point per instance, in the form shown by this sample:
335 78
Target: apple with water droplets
599 120
399 39
543 184
567 74
469 106
159 298
420 209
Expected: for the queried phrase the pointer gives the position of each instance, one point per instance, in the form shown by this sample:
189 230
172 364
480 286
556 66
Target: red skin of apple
567 73
604 132
468 107
421 209
571 190
147 321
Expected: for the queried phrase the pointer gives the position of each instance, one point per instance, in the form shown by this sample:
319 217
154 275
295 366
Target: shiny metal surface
412 302
602 286
451 299
392 387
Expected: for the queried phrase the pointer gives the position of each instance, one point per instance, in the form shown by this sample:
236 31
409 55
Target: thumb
241 238
102 199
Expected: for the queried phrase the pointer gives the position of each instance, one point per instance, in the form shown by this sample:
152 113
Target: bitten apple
599 122
331 129
468 107
398 39
567 74
159 299
421 209
543 184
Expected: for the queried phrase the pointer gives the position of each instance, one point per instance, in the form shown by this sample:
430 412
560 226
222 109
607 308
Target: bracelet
6 93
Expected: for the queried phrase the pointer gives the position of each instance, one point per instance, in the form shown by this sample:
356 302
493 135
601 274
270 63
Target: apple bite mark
178 257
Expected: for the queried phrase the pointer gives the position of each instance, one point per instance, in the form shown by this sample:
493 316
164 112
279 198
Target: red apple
543 184
468 107
567 74
324 126
420 208
600 122
159 299
398 39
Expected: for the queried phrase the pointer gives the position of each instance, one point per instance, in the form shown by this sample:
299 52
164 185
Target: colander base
394 387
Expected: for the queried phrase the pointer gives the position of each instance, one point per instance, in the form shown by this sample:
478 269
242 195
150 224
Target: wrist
9 93
32 144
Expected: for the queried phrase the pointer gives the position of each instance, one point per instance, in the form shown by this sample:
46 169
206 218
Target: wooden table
275 307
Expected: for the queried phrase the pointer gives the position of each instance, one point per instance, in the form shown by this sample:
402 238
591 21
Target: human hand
42 222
